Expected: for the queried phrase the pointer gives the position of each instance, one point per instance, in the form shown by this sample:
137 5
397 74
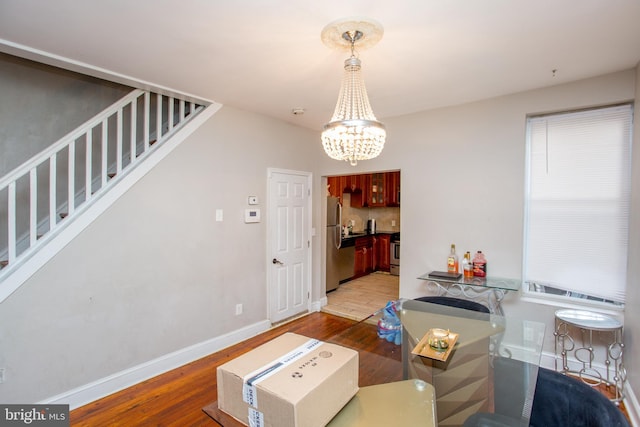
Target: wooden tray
423 349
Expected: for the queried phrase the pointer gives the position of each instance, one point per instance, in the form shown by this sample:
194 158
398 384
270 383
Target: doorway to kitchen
368 237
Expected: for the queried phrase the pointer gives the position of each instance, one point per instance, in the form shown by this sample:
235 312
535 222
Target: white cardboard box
291 381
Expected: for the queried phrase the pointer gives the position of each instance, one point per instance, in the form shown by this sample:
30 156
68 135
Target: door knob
276 261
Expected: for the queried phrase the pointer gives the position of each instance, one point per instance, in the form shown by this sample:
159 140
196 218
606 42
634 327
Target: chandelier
353 133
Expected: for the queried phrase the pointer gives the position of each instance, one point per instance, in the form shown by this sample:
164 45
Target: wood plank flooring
177 397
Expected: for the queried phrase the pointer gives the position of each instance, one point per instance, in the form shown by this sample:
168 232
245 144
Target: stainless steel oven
395 254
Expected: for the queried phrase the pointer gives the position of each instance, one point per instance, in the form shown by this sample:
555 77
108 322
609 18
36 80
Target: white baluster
145 136
134 130
170 114
53 182
33 206
88 164
105 147
159 118
71 178
119 141
181 104
11 221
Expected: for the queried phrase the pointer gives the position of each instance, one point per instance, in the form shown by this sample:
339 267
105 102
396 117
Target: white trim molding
113 383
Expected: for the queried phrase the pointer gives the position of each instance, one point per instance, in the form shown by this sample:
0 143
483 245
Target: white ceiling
267 56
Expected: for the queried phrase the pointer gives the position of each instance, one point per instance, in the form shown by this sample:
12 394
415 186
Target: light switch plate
251 215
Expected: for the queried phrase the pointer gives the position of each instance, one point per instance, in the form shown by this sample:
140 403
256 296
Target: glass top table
491 289
491 367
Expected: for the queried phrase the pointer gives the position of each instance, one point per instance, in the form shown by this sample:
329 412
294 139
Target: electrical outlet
238 309
1 375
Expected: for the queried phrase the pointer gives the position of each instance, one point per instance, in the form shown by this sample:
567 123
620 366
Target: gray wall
150 277
155 273
40 104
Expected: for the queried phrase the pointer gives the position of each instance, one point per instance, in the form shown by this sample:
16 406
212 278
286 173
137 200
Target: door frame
269 240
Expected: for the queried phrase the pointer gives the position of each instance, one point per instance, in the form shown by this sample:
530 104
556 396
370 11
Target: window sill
571 303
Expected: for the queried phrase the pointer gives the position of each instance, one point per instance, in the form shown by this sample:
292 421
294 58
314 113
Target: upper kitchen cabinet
392 189
376 190
336 186
360 194
381 189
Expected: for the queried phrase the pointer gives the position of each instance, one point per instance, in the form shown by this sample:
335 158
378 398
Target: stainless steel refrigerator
334 241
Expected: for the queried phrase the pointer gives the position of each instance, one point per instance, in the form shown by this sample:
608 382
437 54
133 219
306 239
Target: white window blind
578 197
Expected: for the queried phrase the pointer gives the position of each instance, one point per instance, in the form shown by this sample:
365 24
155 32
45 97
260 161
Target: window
577 203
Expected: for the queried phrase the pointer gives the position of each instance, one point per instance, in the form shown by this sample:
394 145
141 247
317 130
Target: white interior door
289 243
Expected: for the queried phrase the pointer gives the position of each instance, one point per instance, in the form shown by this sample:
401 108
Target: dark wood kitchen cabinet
376 190
383 252
392 188
364 260
360 194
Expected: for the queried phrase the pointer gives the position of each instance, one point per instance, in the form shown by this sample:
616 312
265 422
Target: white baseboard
105 386
317 305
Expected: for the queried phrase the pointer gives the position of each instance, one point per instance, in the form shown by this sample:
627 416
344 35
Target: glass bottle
452 261
479 265
467 265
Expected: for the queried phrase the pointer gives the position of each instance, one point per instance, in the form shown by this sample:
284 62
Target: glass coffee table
491 367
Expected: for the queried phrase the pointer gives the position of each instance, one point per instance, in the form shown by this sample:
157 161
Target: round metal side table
589 323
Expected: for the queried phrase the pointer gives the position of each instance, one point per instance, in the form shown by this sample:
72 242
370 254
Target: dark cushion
455 302
559 400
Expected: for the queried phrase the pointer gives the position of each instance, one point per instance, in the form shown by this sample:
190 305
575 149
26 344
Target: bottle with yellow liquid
452 260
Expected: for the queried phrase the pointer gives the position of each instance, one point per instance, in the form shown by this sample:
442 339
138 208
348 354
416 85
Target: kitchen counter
350 240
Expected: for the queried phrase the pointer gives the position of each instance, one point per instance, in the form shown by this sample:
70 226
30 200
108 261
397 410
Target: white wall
155 273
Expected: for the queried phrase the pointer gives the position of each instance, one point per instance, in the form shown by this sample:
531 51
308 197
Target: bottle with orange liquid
467 265
452 260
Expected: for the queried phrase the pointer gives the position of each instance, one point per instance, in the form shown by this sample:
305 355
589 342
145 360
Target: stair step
150 144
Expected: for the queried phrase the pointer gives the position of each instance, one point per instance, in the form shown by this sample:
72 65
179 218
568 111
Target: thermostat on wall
251 215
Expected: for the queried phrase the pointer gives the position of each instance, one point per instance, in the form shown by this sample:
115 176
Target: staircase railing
44 193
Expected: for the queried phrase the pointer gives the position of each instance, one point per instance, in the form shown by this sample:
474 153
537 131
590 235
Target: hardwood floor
176 398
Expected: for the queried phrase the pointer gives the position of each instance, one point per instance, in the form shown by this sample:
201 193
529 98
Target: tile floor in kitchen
361 297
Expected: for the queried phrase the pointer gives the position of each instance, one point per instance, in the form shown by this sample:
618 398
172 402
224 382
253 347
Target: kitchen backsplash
387 219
